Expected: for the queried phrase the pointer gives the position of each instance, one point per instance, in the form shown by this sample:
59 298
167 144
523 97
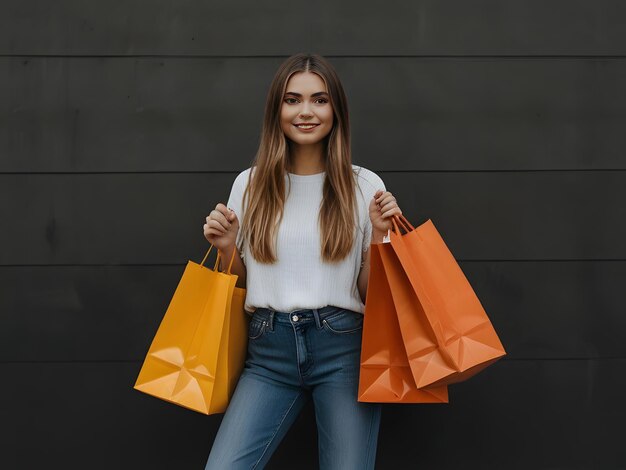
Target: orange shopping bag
198 352
445 329
385 374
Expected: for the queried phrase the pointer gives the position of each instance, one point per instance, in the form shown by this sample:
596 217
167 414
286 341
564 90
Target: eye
291 100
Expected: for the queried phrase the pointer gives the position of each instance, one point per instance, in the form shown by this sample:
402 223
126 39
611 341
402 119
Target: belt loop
317 318
270 321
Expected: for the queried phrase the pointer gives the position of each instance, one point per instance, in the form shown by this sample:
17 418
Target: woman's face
306 100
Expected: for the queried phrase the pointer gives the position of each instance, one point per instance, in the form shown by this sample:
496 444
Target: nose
305 111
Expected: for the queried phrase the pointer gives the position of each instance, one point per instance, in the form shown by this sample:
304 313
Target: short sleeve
372 184
235 202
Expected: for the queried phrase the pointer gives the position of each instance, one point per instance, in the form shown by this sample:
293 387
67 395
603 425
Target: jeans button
295 318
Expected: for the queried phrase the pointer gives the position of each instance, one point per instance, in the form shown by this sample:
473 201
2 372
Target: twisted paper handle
405 224
217 260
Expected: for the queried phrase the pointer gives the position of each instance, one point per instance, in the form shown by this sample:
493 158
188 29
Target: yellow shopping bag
199 350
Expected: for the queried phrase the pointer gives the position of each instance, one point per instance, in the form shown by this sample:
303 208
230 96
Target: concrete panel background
123 123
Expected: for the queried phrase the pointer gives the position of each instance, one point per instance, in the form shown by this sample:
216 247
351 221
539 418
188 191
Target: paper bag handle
217 260
405 224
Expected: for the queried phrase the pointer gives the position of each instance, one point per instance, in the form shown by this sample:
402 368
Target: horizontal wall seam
235 172
136 361
461 260
387 56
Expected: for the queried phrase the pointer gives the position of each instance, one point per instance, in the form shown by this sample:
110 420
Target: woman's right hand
221 228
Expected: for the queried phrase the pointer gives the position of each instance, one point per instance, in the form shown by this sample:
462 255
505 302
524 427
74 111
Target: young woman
301 220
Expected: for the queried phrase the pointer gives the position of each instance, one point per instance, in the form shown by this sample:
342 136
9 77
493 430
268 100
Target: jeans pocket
256 327
346 321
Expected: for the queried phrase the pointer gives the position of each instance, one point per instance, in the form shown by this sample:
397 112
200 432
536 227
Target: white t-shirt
300 279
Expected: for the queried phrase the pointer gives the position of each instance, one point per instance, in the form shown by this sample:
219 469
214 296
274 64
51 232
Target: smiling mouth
306 126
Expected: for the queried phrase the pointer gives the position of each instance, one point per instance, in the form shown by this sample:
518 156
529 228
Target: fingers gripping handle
217 260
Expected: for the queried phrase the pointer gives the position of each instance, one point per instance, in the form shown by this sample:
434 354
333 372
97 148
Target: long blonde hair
266 192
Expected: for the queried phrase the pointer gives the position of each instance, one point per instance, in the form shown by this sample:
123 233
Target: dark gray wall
123 123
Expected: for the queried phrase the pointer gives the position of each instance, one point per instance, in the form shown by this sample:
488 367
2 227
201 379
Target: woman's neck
306 160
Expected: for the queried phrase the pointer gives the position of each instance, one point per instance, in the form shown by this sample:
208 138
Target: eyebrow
319 93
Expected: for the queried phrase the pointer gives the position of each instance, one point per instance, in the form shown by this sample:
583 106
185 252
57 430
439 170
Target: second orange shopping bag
385 374
445 329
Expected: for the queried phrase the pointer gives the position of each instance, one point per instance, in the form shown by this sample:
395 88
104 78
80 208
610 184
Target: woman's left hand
382 206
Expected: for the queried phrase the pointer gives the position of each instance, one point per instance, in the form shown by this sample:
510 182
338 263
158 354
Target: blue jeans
292 356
